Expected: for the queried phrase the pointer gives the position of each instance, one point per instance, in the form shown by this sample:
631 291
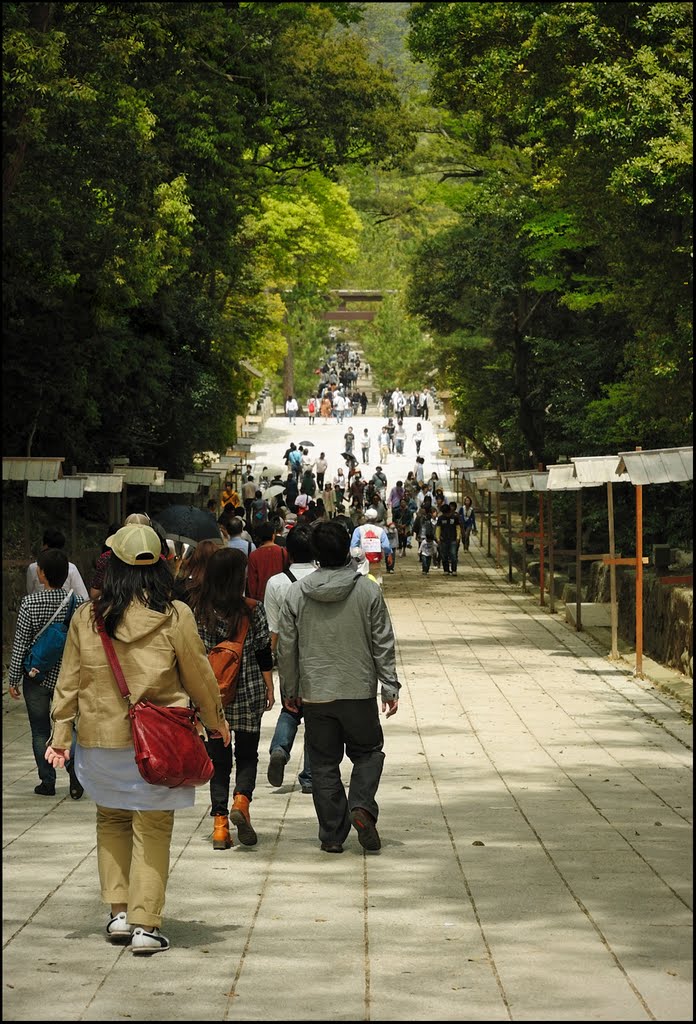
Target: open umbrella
274 489
188 524
306 444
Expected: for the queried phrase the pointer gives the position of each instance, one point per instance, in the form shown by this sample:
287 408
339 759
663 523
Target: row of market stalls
44 477
634 468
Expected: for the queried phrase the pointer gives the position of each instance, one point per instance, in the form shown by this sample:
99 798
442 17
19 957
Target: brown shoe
222 840
240 818
332 848
364 825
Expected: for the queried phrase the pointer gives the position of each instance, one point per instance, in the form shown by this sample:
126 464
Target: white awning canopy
176 487
658 466
142 474
66 487
517 480
109 483
562 478
20 468
599 469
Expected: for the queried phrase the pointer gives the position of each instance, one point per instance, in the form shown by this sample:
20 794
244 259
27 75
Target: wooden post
509 505
578 561
524 542
552 590
25 518
542 598
73 528
612 576
489 525
639 579
497 529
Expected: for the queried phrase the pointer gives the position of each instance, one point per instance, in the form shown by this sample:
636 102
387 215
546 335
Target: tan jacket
162 658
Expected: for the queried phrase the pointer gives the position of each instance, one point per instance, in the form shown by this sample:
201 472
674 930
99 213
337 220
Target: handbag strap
244 628
113 659
55 614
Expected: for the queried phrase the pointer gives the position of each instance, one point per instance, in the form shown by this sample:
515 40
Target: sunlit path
536 862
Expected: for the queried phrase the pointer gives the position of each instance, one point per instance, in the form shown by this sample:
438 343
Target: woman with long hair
221 610
189 578
164 661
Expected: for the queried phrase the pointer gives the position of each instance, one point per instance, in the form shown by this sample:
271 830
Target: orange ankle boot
222 840
240 818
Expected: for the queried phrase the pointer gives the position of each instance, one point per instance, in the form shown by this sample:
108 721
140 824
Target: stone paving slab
536 812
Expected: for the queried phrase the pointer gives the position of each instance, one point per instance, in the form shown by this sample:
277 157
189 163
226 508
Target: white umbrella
272 491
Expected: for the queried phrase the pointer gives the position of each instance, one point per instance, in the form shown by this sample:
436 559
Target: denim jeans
425 562
449 555
283 739
38 701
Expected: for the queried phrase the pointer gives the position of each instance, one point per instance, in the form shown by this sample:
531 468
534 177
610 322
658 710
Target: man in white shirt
53 538
320 467
299 546
339 404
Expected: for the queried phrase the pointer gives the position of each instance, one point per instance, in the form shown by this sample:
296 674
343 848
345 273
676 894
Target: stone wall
667 613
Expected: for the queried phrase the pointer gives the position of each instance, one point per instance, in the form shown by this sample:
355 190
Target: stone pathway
536 809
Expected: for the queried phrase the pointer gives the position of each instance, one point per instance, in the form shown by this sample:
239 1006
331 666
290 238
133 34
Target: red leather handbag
168 748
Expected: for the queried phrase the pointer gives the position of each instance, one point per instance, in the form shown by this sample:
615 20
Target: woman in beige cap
163 660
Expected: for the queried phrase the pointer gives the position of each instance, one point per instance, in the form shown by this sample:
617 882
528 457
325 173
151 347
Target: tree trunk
289 368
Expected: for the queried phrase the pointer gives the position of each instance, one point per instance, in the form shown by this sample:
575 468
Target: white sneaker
118 929
148 941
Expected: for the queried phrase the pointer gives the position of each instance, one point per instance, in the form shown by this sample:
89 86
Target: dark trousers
38 701
320 480
246 754
332 730
448 549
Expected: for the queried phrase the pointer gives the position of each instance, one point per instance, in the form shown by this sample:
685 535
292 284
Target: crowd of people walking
285 570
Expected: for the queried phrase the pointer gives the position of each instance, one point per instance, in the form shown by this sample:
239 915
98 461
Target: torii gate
345 296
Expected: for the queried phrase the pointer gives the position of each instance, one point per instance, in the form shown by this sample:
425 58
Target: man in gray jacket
334 607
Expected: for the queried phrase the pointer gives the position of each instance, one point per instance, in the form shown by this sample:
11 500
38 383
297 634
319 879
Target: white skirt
111 778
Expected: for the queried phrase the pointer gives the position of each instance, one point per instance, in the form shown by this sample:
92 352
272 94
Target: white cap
371 513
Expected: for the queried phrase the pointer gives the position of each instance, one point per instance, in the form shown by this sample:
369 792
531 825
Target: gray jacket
335 639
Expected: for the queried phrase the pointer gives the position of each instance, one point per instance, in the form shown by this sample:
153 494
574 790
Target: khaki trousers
133 860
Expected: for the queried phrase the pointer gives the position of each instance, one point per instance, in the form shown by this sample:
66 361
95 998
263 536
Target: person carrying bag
156 644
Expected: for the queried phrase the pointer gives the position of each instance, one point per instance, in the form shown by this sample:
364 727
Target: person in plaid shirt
218 610
35 612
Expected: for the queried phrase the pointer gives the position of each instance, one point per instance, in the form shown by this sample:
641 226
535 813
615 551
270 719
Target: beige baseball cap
135 545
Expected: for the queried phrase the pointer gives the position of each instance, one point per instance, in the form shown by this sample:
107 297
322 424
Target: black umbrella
306 444
188 524
349 457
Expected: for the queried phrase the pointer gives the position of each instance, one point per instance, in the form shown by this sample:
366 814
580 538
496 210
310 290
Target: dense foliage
166 185
562 301
185 184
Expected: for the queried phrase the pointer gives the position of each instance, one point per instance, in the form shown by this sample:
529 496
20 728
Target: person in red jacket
268 559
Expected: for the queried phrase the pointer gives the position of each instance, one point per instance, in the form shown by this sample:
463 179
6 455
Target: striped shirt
34 612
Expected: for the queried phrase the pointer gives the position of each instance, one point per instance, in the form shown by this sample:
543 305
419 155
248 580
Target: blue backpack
48 647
